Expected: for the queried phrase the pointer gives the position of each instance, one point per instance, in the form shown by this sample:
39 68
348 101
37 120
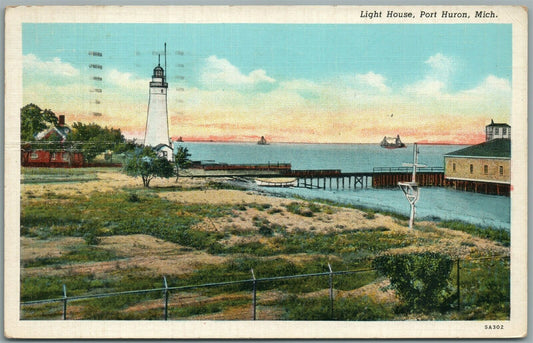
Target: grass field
103 232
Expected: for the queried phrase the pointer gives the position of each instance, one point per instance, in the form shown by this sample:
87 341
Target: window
471 168
485 169
501 170
34 155
66 157
504 131
54 156
453 167
496 131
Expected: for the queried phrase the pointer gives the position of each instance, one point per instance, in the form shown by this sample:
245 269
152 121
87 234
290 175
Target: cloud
436 81
426 87
219 72
441 66
126 80
33 64
491 86
372 80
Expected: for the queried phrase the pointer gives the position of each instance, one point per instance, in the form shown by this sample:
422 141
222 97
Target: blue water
434 202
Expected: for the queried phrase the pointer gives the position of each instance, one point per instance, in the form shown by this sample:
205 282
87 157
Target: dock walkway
379 177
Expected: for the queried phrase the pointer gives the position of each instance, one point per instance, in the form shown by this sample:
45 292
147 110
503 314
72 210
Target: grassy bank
496 234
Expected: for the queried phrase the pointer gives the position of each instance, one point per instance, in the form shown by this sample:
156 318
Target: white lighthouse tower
156 134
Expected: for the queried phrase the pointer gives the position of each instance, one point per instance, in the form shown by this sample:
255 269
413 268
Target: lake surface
434 202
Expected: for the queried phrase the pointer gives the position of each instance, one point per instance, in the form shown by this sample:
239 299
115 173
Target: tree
420 279
181 160
34 120
94 139
146 164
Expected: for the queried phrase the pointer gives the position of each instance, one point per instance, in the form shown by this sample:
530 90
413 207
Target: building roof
161 146
60 132
500 147
492 123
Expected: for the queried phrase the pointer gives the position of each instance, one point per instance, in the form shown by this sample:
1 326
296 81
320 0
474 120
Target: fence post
254 284
64 302
330 291
166 297
458 287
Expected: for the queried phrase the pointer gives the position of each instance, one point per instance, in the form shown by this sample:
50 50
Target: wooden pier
334 180
384 177
381 177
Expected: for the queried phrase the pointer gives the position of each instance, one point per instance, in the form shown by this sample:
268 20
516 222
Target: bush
133 197
299 209
420 279
370 214
91 238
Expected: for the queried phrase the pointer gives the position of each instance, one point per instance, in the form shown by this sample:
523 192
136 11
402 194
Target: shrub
266 230
133 197
370 214
274 210
299 209
91 238
420 279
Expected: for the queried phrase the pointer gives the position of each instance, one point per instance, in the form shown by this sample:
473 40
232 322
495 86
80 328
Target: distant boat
277 182
262 141
392 143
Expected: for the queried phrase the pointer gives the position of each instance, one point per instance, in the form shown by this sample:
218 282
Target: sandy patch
377 291
108 181
149 255
32 248
221 196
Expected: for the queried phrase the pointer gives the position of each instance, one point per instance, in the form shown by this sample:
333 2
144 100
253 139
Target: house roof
500 147
61 132
161 146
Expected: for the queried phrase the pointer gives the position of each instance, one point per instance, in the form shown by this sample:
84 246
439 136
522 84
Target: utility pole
410 189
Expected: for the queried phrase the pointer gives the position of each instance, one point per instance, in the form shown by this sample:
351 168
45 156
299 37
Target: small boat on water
277 182
392 143
262 141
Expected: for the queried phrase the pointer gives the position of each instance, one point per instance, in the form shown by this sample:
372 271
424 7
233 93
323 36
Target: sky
322 83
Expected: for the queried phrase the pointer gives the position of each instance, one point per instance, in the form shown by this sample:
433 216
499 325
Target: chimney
61 120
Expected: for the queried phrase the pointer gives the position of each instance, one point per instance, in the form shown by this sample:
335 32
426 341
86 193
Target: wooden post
458 287
64 302
166 297
254 288
330 291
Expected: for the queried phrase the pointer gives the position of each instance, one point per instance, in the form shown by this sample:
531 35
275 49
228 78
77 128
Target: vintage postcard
266 172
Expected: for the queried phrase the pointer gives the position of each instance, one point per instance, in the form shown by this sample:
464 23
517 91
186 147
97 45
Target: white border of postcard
14 327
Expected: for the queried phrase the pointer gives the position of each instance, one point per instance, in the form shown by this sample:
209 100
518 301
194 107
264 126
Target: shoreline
362 207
